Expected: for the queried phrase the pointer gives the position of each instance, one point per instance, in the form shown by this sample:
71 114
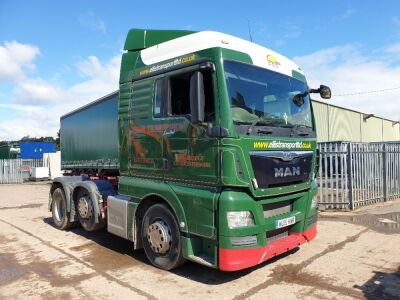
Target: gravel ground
354 256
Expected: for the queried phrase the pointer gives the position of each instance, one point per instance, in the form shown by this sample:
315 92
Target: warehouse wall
321 120
336 123
390 131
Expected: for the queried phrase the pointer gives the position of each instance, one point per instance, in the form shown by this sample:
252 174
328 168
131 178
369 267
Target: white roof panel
261 56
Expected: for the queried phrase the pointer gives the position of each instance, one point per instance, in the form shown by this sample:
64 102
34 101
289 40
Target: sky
56 56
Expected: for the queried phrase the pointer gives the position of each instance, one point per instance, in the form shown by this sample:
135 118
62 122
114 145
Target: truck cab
216 153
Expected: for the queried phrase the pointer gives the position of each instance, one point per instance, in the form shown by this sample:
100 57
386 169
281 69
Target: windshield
262 97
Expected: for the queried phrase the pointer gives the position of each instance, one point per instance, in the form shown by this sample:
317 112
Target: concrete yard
354 256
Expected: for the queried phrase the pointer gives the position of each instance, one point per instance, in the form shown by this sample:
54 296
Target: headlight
314 202
239 219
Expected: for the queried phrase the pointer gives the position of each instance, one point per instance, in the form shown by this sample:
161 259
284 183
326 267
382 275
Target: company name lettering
279 144
175 62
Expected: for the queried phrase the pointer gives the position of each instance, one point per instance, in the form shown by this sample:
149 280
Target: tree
57 141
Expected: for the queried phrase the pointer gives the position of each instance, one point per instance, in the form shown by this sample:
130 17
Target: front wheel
161 238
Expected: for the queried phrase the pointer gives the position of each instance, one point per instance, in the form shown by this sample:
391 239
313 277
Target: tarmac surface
356 255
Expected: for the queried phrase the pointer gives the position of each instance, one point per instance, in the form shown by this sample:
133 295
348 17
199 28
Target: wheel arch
53 187
98 190
67 185
144 204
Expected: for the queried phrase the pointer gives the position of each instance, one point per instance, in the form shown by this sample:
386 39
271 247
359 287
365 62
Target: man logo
287 156
285 172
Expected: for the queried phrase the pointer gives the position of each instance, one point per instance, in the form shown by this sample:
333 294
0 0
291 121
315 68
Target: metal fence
357 174
17 170
27 165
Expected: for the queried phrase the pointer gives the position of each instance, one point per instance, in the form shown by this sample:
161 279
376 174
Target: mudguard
98 190
68 185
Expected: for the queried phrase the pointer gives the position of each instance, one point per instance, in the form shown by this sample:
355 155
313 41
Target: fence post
385 174
350 174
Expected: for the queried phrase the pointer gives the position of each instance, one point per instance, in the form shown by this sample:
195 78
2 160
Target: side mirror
325 92
197 98
298 99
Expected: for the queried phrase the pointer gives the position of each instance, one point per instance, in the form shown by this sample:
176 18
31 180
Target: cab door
189 153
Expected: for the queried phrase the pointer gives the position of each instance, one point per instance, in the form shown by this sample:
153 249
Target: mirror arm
313 91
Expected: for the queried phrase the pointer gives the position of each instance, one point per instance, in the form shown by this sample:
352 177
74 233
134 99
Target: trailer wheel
59 210
86 212
161 238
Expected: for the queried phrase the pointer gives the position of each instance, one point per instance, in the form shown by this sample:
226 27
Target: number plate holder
285 222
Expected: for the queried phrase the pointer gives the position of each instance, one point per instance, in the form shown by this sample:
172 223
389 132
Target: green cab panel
193 206
139 39
191 155
264 221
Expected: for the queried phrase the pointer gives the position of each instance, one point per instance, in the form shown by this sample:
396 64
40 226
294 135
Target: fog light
238 219
244 240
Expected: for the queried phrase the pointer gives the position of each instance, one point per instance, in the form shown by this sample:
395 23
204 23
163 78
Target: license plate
285 222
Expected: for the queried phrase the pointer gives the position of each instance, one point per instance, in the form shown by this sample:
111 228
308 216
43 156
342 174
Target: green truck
207 152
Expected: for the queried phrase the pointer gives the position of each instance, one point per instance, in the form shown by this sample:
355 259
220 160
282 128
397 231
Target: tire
164 250
59 210
86 212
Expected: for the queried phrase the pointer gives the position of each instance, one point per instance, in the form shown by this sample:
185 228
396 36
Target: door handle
165 163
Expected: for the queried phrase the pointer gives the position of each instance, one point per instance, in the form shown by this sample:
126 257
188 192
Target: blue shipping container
30 150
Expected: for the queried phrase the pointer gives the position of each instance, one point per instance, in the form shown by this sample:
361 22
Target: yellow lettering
260 145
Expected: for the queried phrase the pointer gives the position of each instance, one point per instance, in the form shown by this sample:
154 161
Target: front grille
277 234
278 208
281 168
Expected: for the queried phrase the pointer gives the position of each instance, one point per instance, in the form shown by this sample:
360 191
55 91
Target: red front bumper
238 259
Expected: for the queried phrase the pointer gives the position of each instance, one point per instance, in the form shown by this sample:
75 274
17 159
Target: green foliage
57 141
36 139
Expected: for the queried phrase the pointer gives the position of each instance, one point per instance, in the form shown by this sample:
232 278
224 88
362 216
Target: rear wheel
86 211
161 238
59 210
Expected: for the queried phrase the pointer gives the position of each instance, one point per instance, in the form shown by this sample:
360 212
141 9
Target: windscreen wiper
255 122
297 129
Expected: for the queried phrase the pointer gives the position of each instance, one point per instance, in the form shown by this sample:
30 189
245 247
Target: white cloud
393 52
36 92
38 104
15 60
393 49
93 68
347 71
20 107
91 21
